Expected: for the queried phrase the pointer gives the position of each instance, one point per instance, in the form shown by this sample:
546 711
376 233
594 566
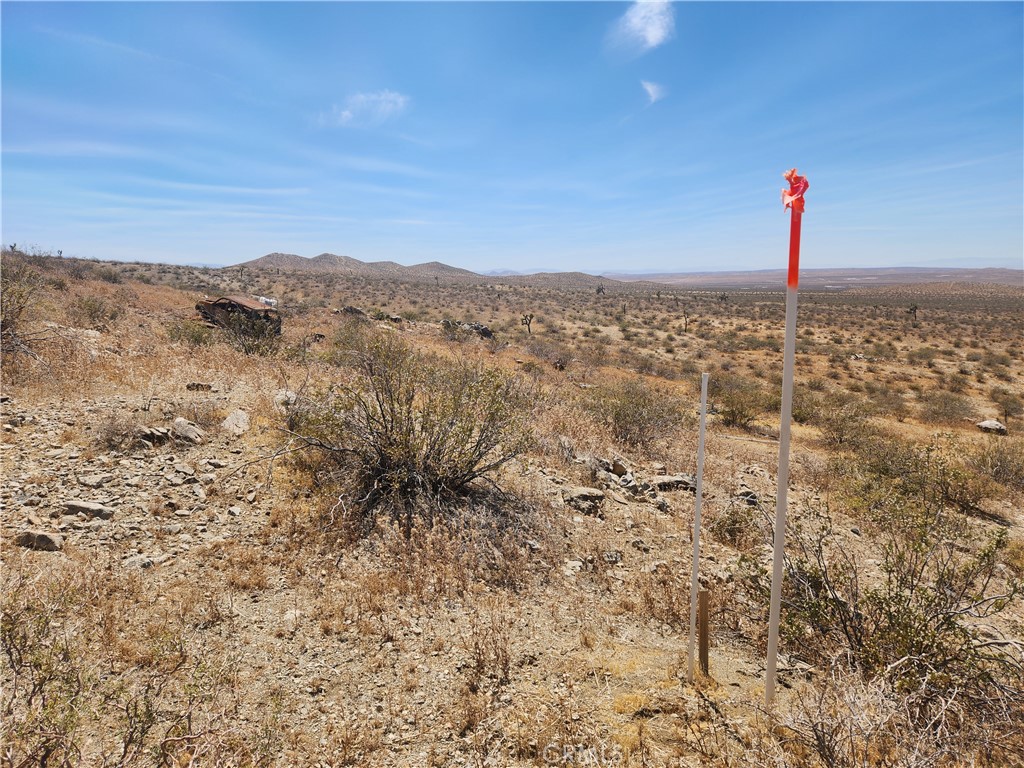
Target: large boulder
187 431
992 426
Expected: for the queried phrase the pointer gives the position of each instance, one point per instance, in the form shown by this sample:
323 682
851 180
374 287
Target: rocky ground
586 653
172 572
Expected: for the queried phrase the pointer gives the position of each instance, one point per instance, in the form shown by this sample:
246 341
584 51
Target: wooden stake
695 572
703 618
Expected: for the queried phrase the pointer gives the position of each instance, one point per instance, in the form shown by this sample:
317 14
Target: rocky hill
331 262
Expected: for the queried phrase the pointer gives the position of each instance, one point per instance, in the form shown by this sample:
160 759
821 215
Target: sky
527 136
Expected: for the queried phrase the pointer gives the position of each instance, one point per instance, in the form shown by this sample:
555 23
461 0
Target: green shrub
938 407
1010 404
738 399
890 402
93 312
108 275
252 335
637 414
923 355
885 468
409 434
844 419
190 332
917 626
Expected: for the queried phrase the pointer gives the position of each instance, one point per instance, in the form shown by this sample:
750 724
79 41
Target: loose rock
586 500
675 483
88 508
41 540
237 423
188 431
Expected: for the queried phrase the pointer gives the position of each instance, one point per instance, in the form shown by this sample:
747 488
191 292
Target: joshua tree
913 312
600 290
528 321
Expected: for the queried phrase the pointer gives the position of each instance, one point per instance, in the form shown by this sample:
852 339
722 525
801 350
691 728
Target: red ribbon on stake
794 198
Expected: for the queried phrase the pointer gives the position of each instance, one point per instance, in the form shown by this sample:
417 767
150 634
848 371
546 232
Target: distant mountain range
331 262
346 265
768 279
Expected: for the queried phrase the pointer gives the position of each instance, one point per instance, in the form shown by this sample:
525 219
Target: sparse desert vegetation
382 541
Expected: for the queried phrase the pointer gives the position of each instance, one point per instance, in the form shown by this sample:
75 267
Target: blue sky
571 136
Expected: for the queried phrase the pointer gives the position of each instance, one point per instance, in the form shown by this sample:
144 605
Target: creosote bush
409 434
21 288
740 400
252 335
637 413
885 469
919 630
938 407
191 333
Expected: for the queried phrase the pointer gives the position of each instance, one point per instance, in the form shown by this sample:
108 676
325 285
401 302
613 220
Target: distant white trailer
267 302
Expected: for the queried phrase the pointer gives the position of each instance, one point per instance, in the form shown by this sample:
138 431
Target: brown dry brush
22 337
87 680
407 435
921 635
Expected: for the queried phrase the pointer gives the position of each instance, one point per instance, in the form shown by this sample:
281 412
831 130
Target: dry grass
279 639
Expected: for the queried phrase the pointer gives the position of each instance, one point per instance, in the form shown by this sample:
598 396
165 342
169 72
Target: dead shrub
88 679
1002 459
117 432
21 290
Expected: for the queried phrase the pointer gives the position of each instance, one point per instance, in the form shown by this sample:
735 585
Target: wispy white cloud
361 163
109 44
128 50
222 188
646 25
65 112
654 91
362 110
62 148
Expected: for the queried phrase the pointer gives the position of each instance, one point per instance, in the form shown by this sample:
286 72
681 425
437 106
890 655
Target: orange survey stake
794 198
